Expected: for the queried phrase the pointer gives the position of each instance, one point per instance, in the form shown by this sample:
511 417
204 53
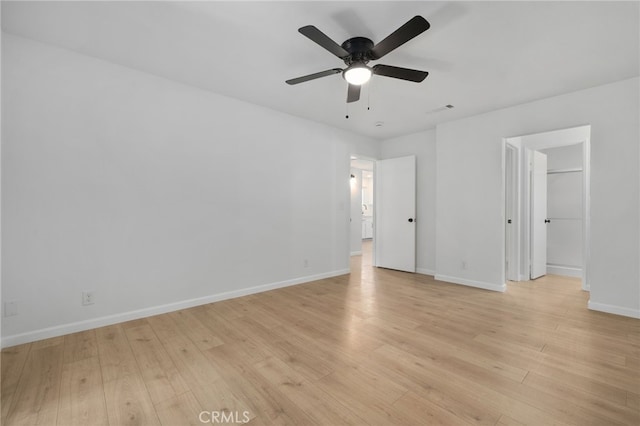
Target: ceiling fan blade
353 94
413 27
314 76
314 34
401 73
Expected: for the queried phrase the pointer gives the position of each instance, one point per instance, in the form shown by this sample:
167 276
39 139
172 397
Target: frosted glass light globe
357 74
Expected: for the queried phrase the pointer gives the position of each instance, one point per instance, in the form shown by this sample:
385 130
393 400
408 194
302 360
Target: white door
538 215
395 239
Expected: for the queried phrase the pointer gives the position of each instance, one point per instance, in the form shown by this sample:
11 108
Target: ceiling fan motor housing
359 49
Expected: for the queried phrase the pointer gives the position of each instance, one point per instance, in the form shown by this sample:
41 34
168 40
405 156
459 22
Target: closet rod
555 171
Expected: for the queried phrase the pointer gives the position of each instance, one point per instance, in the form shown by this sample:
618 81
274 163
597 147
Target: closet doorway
547 212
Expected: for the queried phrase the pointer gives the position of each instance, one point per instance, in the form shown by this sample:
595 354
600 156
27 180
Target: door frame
512 211
537 141
373 160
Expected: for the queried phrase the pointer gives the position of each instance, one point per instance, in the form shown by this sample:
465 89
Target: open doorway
547 209
362 208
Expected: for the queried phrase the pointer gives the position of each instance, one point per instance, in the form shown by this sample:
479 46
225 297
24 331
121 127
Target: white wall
564 157
470 184
155 194
423 146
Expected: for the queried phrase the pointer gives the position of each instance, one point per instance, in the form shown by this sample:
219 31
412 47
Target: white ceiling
481 56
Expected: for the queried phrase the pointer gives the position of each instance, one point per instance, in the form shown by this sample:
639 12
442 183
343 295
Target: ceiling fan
358 51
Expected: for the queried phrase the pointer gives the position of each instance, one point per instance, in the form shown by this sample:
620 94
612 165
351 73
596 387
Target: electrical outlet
10 308
464 264
88 297
306 263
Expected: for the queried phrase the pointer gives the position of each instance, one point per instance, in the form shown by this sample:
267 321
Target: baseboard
356 253
613 309
425 271
60 330
471 283
567 271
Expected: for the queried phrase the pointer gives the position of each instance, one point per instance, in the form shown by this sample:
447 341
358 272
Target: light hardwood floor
377 347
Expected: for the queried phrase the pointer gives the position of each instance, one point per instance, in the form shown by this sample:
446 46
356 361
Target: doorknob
547 221
410 220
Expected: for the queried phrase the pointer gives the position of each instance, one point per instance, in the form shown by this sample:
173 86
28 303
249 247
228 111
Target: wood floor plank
191 327
581 338
612 376
533 360
82 399
229 333
232 308
264 400
300 354
607 411
283 343
561 409
632 363
6 401
309 356
114 351
422 344
219 397
12 365
161 377
319 406
46 343
633 401
189 361
313 326
183 410
471 402
508 421
128 402
13 360
78 346
423 411
366 405
164 327
35 401
134 323
205 378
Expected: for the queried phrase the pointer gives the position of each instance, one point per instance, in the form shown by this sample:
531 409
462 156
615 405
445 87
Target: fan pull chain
369 94
346 109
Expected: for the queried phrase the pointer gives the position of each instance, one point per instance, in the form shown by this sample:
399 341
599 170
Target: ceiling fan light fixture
357 74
